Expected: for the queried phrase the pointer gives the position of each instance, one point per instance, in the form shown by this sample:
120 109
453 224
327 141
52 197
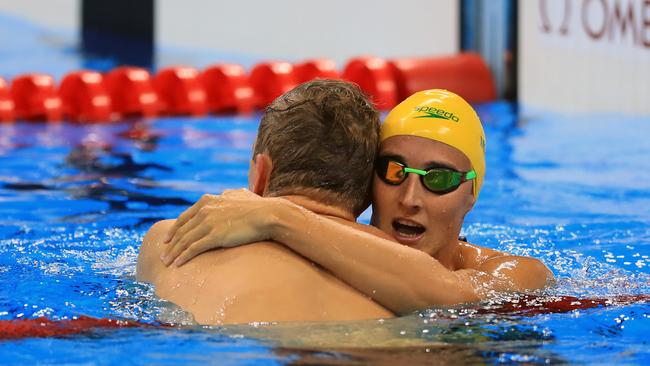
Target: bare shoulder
523 273
149 263
474 256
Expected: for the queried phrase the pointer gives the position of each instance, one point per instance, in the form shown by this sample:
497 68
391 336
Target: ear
259 174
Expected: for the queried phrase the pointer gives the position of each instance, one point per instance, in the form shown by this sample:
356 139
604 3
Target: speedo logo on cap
432 112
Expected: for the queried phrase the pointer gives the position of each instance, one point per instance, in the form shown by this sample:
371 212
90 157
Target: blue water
75 202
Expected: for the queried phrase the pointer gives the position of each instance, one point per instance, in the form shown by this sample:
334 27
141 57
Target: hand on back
233 218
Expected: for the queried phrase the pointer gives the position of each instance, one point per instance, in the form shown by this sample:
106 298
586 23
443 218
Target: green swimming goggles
437 180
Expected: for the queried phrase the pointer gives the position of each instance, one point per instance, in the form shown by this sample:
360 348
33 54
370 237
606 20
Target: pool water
75 202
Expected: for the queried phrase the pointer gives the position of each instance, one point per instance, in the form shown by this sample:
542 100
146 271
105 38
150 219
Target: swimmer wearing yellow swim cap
443 116
428 174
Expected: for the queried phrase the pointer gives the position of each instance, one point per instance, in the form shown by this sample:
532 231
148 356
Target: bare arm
401 278
398 277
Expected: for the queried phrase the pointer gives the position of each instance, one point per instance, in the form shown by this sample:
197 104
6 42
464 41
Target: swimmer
427 177
304 137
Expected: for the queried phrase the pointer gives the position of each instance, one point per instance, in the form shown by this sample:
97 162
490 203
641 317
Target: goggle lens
441 180
394 172
437 180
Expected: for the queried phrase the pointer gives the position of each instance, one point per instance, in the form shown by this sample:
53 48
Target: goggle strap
416 171
468 176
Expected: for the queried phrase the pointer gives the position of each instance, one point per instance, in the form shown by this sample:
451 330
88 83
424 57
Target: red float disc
181 91
466 75
85 98
374 76
270 80
318 68
35 98
132 92
228 89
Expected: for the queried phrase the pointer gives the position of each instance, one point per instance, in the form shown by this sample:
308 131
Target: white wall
579 59
37 36
63 14
293 30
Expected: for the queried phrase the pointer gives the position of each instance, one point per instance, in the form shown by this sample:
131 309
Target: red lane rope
86 96
527 305
530 305
43 327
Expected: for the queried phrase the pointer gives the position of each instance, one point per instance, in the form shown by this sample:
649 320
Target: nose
410 196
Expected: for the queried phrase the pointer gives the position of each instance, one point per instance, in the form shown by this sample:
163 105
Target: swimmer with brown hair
427 177
304 137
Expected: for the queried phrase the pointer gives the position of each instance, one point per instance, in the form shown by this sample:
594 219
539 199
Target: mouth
408 231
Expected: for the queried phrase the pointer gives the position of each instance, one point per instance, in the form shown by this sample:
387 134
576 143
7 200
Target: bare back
261 282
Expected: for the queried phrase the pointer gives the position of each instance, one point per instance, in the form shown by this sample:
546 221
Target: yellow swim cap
443 116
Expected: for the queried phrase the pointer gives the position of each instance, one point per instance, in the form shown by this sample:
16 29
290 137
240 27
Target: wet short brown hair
322 137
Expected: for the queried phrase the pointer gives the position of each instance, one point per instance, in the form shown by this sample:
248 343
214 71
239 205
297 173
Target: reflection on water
94 170
97 160
415 339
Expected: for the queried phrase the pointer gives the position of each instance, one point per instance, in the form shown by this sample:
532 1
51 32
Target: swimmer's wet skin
432 131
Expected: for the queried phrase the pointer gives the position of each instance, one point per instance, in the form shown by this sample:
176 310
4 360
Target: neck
450 255
321 208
